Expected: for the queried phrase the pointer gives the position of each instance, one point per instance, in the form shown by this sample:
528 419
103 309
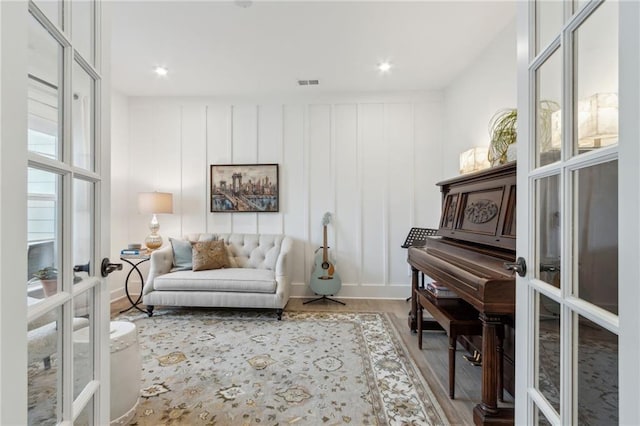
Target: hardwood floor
432 360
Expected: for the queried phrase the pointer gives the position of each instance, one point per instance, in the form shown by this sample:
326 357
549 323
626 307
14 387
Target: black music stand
417 237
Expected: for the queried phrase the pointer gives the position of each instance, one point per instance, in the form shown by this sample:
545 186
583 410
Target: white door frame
628 214
13 219
13 225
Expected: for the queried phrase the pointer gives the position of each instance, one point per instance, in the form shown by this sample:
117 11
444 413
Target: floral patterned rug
203 367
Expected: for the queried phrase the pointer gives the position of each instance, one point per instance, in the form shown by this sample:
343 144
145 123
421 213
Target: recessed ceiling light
384 66
243 3
161 71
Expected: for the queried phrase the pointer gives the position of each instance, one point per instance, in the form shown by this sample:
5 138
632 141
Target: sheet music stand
417 237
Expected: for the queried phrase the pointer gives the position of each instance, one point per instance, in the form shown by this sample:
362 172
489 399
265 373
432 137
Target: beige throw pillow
210 255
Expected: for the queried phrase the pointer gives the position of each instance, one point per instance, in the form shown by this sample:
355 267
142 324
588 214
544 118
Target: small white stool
125 368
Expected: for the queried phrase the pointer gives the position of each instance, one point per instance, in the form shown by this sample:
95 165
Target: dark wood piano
476 236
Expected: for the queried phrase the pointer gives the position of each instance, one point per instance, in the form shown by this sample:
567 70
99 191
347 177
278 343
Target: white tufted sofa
262 278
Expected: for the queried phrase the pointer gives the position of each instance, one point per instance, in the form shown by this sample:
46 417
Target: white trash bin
125 368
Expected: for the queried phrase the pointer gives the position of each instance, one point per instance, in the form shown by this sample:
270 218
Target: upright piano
476 236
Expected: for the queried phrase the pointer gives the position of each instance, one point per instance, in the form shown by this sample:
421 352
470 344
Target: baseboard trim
388 292
117 294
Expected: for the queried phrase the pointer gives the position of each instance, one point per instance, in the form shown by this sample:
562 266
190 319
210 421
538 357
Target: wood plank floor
432 360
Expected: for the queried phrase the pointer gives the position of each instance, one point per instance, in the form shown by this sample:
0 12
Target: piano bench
456 317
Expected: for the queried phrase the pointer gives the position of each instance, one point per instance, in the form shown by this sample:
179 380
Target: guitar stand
324 298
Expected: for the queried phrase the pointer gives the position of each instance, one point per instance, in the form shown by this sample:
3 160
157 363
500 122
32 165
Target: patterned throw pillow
210 255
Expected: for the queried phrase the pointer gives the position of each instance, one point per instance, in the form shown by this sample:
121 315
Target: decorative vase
50 287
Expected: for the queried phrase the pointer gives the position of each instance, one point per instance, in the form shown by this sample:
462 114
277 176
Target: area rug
203 367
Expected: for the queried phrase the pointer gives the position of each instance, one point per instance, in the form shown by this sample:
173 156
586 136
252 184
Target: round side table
134 261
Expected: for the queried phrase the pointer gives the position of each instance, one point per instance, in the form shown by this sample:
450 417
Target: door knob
520 266
108 267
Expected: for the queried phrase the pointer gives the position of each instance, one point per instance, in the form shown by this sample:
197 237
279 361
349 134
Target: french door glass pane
82 28
82 122
44 218
549 19
548 114
52 387
83 201
83 341
44 100
596 234
597 374
44 374
596 82
548 230
548 351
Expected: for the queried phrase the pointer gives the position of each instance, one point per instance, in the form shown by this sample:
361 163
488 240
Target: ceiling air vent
308 82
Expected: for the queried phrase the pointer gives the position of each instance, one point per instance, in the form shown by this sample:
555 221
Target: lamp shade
597 122
155 202
474 159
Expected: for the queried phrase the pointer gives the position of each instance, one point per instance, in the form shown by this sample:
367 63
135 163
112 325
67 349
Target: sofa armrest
284 269
160 264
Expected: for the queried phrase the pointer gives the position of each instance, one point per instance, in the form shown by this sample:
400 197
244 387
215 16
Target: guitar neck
325 256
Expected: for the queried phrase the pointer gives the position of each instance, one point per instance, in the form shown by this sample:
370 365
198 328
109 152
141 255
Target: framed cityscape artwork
239 188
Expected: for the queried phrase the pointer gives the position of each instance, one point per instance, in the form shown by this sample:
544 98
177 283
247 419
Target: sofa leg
150 310
279 314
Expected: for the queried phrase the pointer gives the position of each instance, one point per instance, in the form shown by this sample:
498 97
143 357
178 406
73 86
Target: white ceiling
218 48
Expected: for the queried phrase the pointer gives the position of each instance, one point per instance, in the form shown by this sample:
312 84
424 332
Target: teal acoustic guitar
324 279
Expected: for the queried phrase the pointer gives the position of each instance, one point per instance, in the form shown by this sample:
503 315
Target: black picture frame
244 188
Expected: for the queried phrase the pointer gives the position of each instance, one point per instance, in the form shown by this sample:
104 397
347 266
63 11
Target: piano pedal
475 359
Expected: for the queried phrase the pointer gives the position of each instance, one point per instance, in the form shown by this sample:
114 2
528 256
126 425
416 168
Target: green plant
503 131
47 273
503 128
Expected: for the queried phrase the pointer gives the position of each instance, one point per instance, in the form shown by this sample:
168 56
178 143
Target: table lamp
154 203
597 122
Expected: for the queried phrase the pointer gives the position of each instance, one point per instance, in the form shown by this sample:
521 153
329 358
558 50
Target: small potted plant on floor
48 276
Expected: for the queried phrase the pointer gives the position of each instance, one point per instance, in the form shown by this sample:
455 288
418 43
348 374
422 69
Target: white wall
486 86
370 160
119 183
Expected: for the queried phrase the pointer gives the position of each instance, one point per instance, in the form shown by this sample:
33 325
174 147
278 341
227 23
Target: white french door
54 78
576 313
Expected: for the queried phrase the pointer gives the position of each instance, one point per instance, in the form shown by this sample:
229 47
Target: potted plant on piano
504 132
48 276
503 129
